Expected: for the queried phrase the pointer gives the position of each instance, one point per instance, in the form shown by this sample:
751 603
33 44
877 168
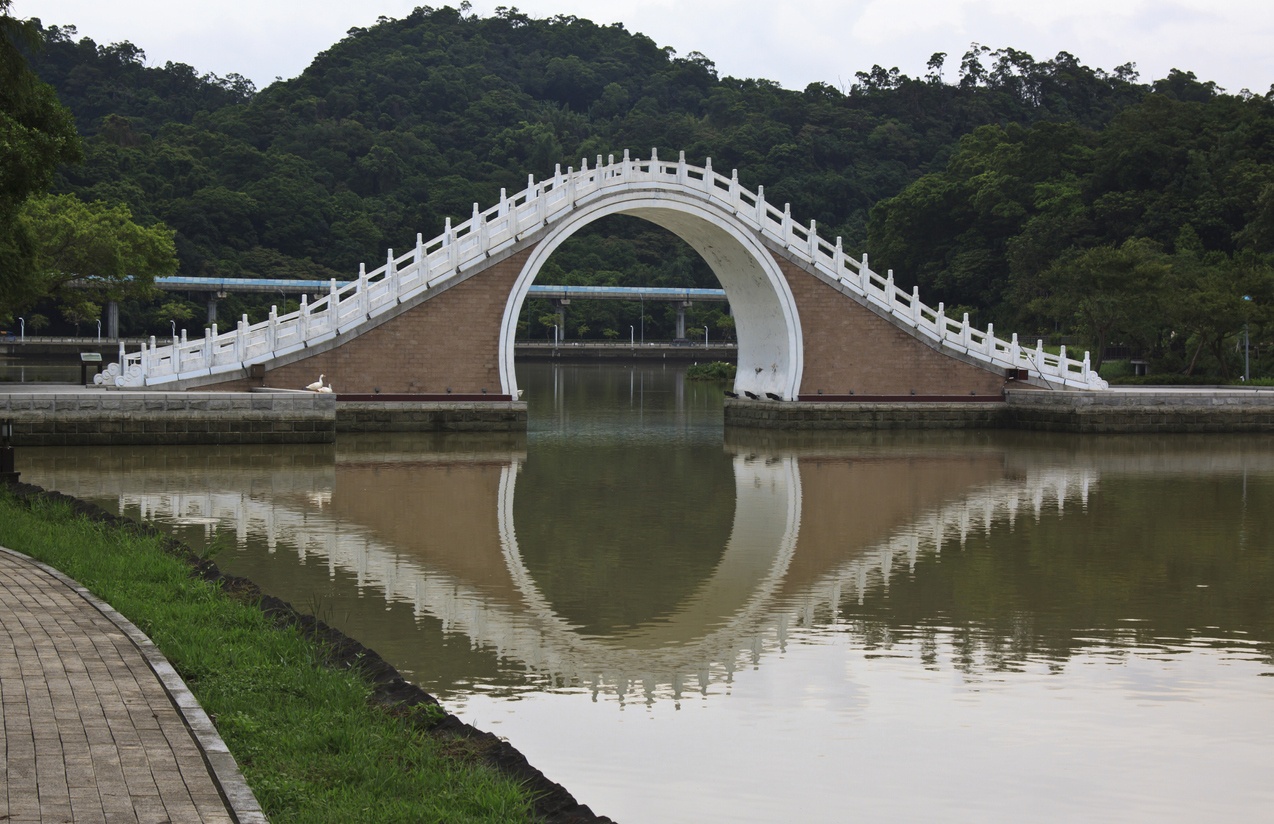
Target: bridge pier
112 319
559 306
681 319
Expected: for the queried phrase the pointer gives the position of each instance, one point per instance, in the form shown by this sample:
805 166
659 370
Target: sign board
90 357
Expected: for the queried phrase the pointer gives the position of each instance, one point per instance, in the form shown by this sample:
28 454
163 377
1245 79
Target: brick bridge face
451 344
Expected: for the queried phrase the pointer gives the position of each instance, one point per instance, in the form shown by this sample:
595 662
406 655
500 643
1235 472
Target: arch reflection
421 532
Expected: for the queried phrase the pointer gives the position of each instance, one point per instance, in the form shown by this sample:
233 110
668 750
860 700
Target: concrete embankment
1134 409
74 416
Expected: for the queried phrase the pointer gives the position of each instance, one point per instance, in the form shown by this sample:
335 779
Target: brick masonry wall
848 348
450 341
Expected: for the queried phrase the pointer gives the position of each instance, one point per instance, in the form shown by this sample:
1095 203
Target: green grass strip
307 739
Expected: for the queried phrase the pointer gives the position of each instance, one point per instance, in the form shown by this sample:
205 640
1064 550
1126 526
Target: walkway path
94 724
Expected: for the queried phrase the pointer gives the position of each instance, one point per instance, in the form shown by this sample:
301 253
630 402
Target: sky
1225 41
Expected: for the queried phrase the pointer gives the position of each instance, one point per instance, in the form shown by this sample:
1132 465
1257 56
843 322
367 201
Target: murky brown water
681 624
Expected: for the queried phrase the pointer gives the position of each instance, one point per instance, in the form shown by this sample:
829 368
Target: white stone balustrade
520 217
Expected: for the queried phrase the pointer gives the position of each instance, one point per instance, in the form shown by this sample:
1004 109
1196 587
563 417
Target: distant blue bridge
560 295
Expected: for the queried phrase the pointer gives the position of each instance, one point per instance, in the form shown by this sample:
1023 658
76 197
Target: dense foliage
36 133
982 177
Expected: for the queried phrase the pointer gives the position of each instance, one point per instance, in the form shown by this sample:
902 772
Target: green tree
36 134
1108 293
98 247
1212 295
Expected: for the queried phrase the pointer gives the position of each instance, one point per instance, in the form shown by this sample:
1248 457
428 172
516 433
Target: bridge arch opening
767 326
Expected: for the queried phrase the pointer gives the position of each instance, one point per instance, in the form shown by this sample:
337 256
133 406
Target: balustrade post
240 346
272 329
1039 355
964 331
787 224
1062 368
838 259
990 339
1087 366
504 203
449 240
1015 351
915 305
760 207
941 320
709 181
813 241
864 276
570 187
208 335
734 188
624 169
681 168
479 228
890 298
391 275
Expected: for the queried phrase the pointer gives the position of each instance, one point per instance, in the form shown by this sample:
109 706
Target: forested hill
409 121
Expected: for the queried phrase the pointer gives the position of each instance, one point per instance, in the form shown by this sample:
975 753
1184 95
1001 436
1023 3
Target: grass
309 742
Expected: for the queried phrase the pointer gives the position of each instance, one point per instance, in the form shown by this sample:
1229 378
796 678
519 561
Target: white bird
317 386
326 389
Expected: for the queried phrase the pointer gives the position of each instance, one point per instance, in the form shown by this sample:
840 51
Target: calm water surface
685 624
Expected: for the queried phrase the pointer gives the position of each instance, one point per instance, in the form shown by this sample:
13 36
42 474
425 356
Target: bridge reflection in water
469 536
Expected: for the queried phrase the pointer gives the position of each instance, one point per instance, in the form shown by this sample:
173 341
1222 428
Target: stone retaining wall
168 418
1143 410
1108 411
864 415
418 416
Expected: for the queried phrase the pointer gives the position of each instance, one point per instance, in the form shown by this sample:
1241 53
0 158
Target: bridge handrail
433 263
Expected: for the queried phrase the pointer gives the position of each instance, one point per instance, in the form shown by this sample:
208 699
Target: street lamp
99 330
1247 374
705 337
630 335
22 323
174 325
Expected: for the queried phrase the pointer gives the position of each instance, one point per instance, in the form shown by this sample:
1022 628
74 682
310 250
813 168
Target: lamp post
1247 374
99 330
22 324
174 325
705 337
7 475
630 335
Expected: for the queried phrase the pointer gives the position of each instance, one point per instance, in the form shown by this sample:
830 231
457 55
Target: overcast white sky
1226 41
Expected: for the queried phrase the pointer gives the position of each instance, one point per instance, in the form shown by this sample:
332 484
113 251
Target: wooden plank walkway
95 725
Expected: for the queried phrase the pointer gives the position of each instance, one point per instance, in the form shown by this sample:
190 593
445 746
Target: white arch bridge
810 319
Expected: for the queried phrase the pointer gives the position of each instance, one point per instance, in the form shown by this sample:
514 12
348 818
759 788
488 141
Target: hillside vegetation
1043 195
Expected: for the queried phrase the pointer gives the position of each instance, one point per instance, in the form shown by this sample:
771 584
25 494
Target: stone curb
238 796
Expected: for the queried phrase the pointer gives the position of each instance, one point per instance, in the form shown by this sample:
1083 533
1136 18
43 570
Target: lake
680 622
